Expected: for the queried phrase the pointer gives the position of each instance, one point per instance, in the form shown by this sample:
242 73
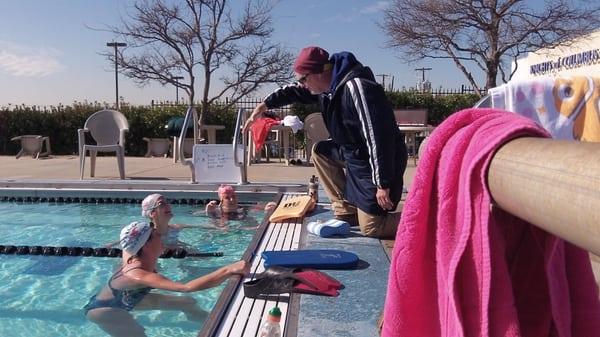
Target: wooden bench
417 117
412 122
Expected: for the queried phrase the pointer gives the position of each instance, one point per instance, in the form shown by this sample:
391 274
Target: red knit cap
311 61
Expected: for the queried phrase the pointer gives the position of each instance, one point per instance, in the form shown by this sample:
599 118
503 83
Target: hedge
61 122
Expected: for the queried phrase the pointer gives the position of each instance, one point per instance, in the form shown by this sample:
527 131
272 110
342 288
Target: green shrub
439 106
61 122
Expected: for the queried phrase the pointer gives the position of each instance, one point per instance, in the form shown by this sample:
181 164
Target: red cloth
260 129
459 269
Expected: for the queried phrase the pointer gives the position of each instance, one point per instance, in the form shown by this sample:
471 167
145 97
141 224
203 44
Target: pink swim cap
225 190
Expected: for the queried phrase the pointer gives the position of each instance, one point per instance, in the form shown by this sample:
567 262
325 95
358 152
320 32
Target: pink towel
463 268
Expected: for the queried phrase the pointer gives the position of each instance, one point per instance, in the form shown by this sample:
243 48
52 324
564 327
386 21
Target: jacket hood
342 62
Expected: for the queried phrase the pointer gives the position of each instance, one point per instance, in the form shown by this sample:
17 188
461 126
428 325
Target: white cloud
341 18
357 13
22 61
378 6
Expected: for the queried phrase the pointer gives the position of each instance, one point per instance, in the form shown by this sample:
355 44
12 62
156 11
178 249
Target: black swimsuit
125 299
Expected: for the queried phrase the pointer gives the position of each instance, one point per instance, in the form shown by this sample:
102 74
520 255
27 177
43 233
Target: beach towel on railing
461 267
568 107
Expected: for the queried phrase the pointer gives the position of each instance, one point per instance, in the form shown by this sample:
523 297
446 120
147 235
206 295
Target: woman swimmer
130 286
169 233
228 204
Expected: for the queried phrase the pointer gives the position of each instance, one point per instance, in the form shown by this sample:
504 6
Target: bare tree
199 38
487 34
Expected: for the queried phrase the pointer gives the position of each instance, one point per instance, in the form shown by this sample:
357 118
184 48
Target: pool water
43 295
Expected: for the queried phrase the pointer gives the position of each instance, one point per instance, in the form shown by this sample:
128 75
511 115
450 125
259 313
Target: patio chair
33 145
107 128
314 131
157 147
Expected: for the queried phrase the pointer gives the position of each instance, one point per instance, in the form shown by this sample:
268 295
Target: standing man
362 165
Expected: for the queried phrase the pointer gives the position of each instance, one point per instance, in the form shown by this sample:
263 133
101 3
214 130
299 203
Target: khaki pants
332 176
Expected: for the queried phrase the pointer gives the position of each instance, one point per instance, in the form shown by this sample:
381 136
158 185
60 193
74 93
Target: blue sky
49 56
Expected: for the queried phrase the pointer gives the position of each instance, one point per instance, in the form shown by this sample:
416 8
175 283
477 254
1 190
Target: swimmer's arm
213 279
179 226
112 244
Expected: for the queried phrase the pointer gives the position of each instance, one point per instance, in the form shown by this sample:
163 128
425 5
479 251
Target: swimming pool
43 295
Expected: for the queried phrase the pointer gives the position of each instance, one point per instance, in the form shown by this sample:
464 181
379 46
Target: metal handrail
190 113
236 134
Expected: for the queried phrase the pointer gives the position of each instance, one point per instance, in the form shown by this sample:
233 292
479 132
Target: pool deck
144 169
136 169
354 313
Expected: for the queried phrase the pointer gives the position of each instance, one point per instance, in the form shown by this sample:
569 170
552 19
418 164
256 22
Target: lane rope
178 253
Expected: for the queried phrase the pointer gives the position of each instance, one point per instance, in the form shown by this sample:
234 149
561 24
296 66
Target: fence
248 104
445 92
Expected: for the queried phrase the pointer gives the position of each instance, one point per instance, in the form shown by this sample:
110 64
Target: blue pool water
43 295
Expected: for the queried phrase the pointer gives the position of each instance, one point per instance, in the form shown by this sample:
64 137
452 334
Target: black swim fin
280 280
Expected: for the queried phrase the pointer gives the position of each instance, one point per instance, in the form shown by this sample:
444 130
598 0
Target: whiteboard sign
213 163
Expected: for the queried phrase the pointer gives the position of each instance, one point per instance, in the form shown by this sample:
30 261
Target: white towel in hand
293 122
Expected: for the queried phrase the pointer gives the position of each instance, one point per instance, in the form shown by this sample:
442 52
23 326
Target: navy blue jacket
361 121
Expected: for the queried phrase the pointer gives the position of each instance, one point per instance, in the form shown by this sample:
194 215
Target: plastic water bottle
270 327
313 188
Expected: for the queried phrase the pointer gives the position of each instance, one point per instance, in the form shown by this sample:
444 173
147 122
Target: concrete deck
136 168
140 169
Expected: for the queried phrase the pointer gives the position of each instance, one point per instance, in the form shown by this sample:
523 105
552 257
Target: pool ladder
237 141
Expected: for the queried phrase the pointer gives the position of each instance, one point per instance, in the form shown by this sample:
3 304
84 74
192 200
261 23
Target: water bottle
270 327
313 188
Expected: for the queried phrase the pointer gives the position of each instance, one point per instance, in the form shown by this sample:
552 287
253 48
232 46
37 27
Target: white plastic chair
33 145
314 131
107 128
157 147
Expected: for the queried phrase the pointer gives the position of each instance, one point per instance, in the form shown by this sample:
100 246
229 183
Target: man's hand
258 110
383 198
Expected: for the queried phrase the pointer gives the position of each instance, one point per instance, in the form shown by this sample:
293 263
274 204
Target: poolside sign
213 163
581 59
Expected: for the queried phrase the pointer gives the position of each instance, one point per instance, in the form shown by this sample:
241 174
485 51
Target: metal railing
236 143
186 121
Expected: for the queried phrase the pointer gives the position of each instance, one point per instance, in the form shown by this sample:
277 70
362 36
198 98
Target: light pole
176 78
116 45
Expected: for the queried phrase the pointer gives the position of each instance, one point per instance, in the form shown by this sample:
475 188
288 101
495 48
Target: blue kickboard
311 258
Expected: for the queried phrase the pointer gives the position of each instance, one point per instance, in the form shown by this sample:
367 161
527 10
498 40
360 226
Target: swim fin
280 280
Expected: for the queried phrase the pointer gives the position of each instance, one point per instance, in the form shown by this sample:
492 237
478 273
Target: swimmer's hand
270 206
211 207
239 268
